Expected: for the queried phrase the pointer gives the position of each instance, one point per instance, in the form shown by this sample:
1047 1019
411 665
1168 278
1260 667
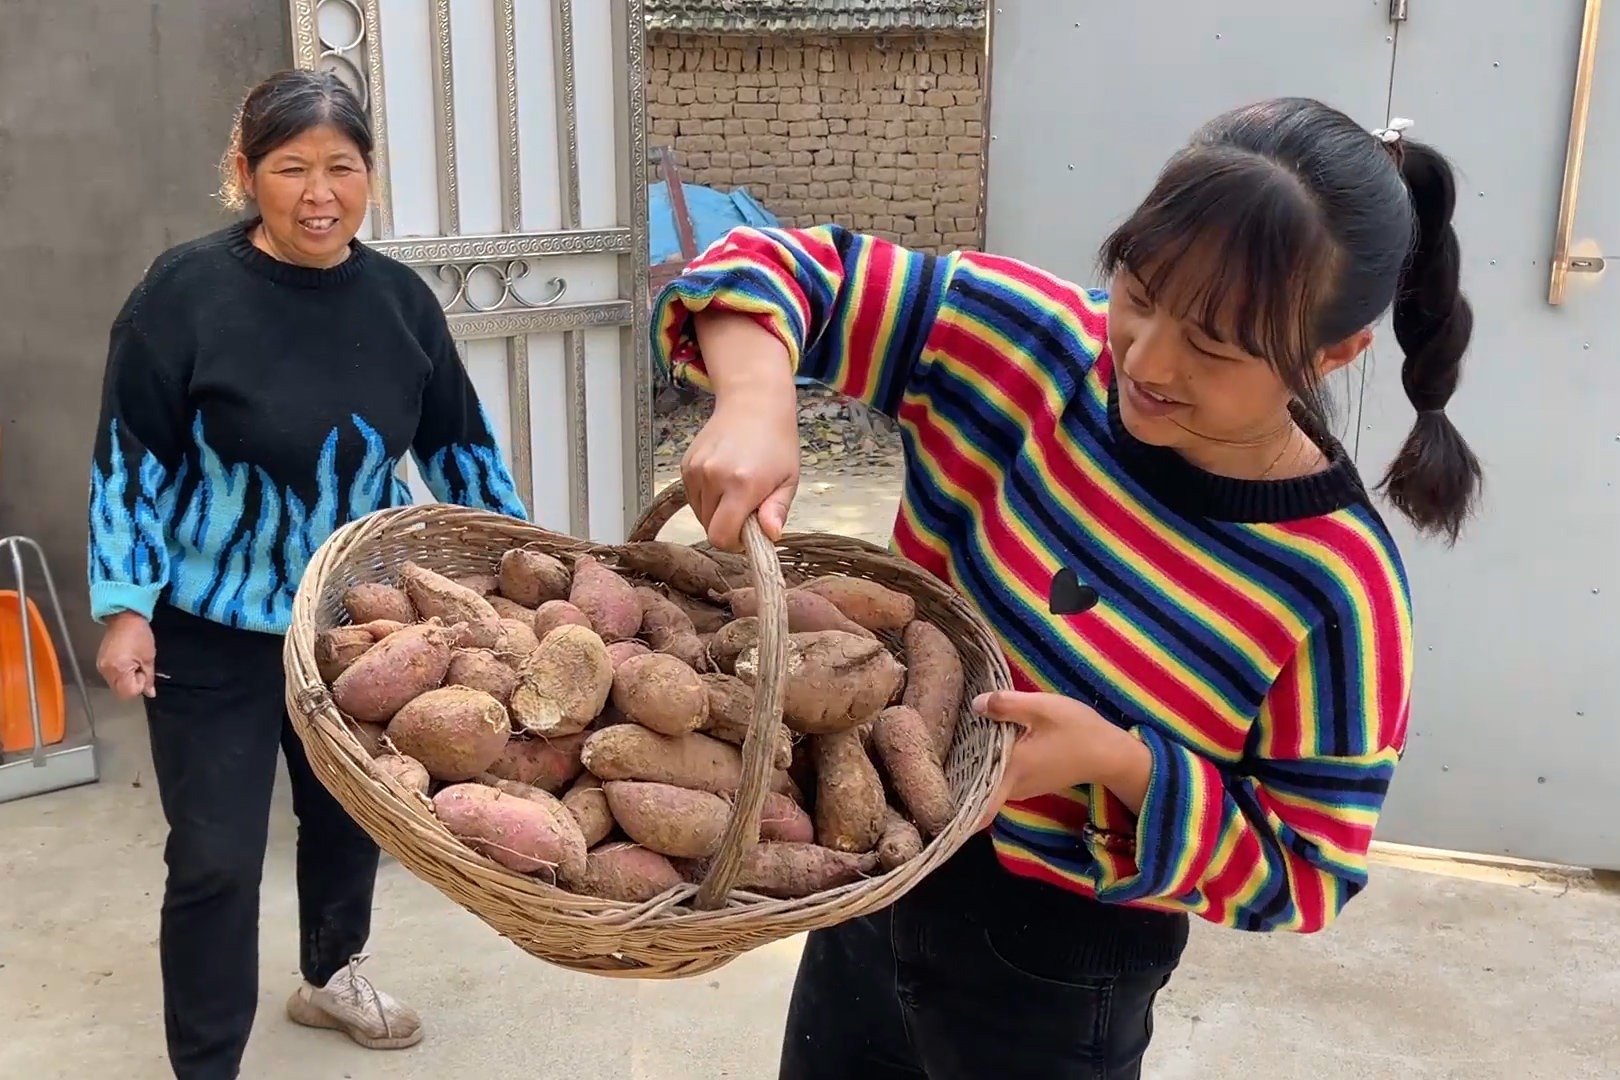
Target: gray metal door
1516 728
1516 723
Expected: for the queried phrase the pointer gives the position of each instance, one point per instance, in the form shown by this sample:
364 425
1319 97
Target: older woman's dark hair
1284 227
280 109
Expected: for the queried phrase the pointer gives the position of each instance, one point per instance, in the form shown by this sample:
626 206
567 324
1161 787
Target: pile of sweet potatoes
583 721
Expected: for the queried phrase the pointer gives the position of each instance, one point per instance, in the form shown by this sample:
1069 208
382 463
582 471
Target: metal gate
511 142
1515 745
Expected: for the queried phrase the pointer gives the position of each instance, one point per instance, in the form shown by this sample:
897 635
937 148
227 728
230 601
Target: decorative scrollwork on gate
462 279
342 36
344 56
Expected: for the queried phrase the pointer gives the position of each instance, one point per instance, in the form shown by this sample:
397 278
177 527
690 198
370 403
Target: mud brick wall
883 135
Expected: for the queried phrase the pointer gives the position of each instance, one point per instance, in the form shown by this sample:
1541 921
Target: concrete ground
1440 970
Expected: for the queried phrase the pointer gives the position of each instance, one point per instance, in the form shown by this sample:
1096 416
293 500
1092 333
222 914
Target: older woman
262 385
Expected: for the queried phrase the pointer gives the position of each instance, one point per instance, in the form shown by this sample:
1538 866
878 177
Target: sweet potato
573 861
667 629
683 568
849 794
733 565
531 578
395 670
485 585
784 819
405 771
900 842
806 612
518 833
548 764
516 641
625 872
730 641
478 634
381 628
609 601
834 680
788 871
372 601
435 596
783 783
706 618
506 609
902 741
555 613
689 649
371 737
934 683
455 732
632 752
661 693
876 607
588 803
620 651
731 710
563 684
338 648
510 639
670 820
481 669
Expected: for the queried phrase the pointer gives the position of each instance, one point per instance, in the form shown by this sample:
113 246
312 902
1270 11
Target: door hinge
1397 10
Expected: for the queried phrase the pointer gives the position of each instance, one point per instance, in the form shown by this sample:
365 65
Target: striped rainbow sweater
1255 635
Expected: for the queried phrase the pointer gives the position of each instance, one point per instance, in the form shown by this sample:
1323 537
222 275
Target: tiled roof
816 16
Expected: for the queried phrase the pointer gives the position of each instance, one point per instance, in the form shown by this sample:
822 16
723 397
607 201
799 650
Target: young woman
262 385
1212 711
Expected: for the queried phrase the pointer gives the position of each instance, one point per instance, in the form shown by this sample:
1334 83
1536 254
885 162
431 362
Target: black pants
978 974
217 724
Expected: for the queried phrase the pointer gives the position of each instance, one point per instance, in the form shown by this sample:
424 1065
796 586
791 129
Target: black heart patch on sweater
1069 597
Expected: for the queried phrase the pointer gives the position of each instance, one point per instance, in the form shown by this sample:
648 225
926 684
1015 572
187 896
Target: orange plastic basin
16 724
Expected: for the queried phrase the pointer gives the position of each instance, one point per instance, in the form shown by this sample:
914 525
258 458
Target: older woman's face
312 193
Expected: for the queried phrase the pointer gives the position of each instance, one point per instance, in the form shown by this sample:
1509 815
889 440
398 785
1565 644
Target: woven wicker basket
690 929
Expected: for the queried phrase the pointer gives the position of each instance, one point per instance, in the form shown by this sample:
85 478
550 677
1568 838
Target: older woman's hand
127 658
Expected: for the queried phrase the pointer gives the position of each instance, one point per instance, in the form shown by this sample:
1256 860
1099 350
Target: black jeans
978 974
217 724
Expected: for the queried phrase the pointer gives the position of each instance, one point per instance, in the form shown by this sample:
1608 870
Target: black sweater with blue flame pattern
251 407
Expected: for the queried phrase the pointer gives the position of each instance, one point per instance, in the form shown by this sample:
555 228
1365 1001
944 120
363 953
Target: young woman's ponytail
1435 479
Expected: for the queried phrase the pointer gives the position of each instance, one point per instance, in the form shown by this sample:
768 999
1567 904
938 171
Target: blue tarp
713 214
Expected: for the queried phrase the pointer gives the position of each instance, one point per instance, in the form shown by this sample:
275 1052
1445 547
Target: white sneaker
350 1004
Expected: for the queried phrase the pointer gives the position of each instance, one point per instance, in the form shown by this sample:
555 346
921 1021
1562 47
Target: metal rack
73 761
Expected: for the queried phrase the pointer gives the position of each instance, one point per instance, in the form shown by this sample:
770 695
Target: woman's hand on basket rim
745 459
1063 743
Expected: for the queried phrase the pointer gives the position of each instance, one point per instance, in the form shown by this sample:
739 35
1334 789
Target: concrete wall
113 115
878 134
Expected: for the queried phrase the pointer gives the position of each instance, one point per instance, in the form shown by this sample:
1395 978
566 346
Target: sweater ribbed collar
239 239
1191 491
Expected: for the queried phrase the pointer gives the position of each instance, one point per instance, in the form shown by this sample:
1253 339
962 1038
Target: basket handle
664 506
765 574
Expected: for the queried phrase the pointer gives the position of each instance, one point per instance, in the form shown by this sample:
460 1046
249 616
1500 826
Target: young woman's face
1178 386
312 192
1181 388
